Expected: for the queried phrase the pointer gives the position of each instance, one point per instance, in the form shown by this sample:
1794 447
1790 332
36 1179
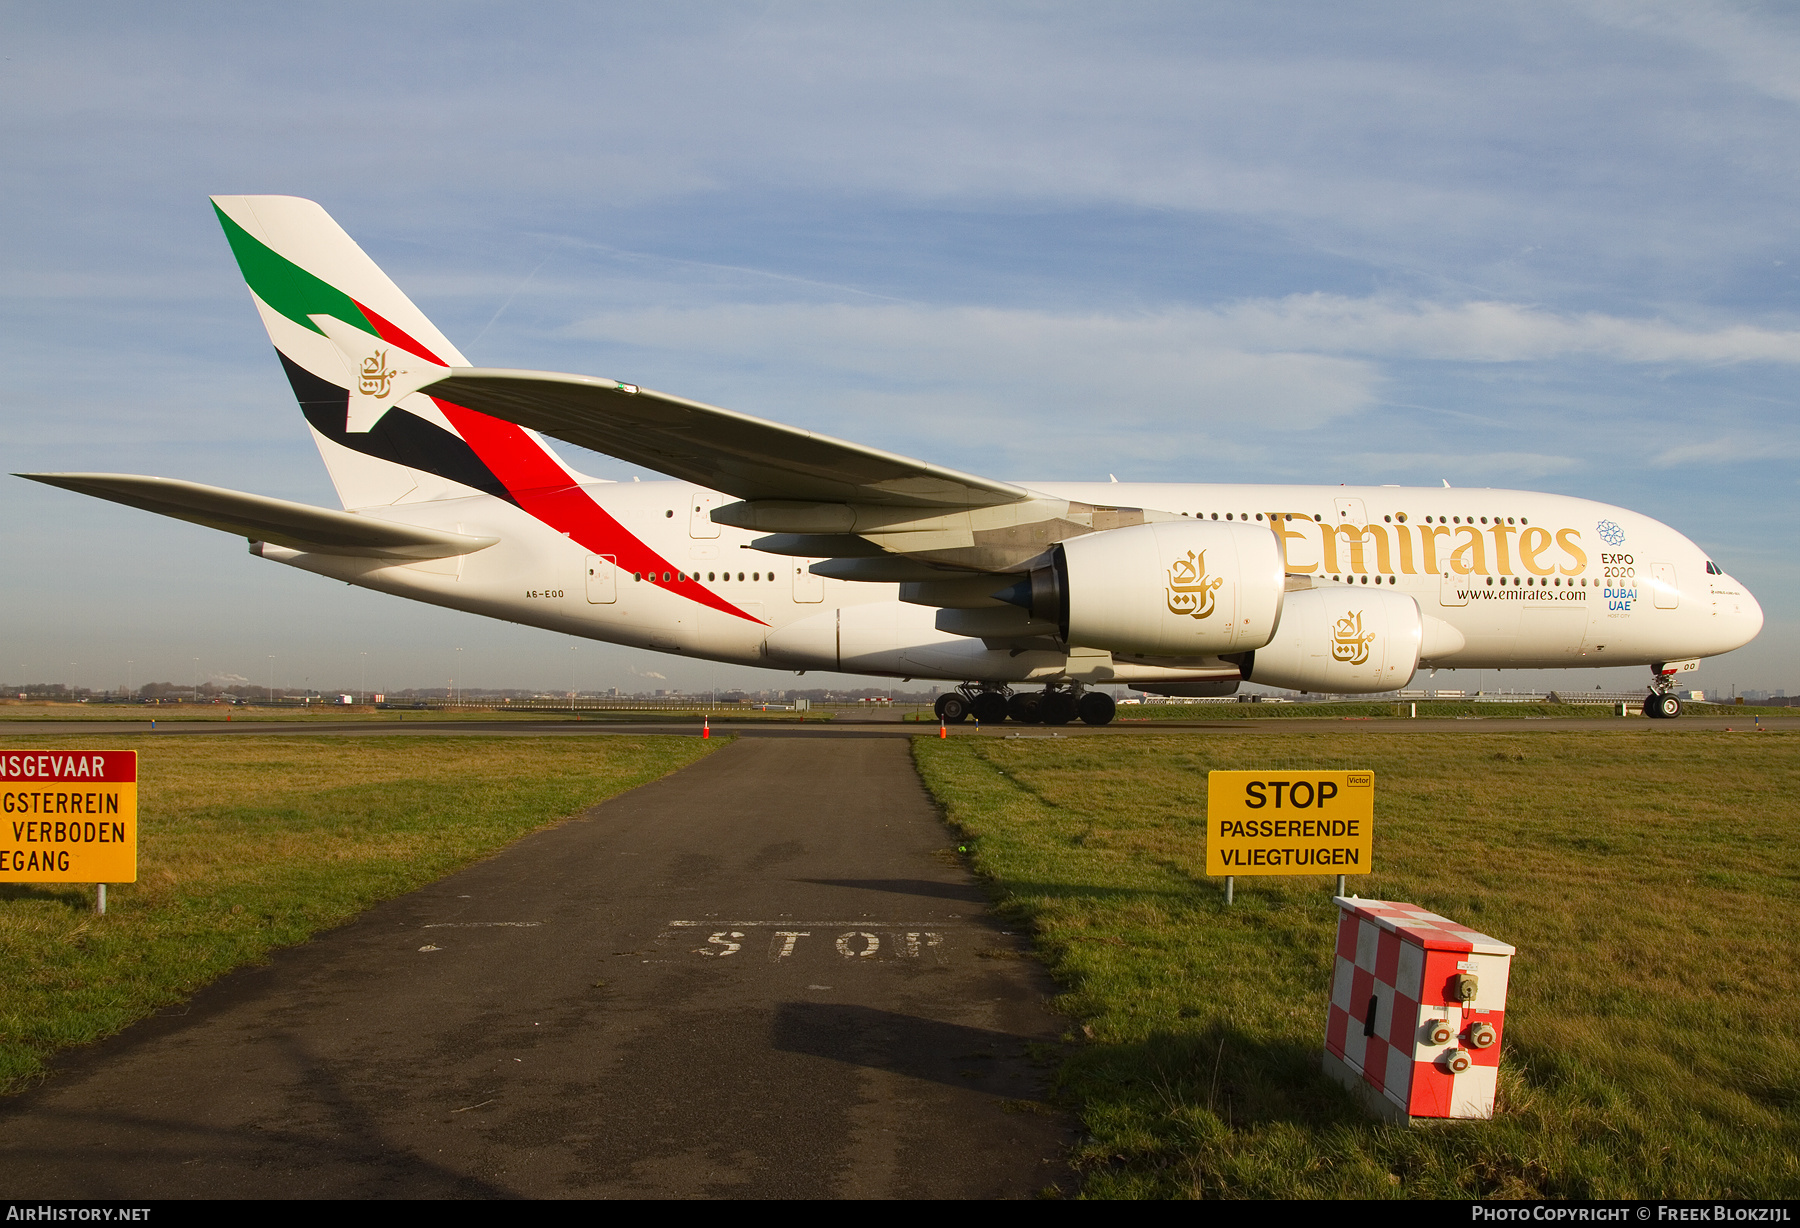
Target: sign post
69 816
1289 822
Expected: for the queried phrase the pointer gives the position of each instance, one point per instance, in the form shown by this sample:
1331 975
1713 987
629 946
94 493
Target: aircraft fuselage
1529 580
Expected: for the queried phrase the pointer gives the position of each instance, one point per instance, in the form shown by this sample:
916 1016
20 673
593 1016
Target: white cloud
1727 450
1288 364
1133 370
1465 468
1489 332
1756 49
1307 335
1269 386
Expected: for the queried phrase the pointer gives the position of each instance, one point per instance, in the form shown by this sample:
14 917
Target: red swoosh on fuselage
543 489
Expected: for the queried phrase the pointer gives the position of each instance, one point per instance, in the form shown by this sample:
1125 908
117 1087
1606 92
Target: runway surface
865 727
764 976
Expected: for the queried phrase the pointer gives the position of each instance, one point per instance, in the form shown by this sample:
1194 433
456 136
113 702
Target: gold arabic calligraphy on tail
377 376
1191 590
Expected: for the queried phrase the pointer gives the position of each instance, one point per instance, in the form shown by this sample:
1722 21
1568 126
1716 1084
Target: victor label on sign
68 816
1289 822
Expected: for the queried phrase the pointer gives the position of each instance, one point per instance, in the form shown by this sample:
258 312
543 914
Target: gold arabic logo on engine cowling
377 376
1191 590
1349 642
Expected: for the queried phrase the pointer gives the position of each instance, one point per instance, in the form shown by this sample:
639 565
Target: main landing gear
1662 703
991 704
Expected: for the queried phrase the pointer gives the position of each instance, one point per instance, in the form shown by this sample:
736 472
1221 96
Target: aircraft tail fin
356 351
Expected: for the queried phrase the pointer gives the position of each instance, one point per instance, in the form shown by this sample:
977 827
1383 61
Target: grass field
1652 889
248 844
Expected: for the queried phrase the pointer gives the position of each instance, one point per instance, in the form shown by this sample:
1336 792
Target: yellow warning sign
68 816
1290 822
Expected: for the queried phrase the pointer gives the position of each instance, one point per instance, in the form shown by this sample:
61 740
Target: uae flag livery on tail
356 351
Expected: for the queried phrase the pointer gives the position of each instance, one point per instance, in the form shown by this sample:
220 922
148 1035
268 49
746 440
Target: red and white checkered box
1406 1026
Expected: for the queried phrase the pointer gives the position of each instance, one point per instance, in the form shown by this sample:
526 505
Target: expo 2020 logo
1610 533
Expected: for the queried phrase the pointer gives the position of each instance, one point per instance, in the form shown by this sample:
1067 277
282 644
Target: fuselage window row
682 576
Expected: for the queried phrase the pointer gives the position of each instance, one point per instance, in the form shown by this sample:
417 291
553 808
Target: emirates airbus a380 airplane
778 547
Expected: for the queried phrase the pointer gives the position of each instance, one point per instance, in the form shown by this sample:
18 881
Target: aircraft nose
1750 617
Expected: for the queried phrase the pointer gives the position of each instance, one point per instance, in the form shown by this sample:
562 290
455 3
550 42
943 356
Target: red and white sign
1418 1010
68 816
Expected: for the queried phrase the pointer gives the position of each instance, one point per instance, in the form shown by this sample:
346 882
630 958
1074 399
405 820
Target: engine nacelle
1172 588
1340 642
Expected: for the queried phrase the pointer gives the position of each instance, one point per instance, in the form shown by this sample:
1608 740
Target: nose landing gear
1662 703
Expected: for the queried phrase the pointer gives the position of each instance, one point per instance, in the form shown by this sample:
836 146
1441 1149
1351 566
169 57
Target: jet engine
1341 641
1174 588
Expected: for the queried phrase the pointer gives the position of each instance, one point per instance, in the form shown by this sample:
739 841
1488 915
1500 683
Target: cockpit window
1713 569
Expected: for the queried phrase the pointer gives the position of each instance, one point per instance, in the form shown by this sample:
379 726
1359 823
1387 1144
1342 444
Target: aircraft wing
716 448
298 526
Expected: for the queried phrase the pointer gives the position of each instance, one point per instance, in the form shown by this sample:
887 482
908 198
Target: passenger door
1662 579
602 579
700 506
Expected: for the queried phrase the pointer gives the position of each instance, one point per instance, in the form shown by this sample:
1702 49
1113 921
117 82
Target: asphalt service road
766 976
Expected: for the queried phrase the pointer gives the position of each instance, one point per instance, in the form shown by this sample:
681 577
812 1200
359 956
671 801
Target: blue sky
1545 247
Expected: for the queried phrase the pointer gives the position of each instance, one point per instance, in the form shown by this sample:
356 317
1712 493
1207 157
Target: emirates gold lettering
1403 539
1279 522
1356 537
1501 559
1346 549
1533 542
1470 556
1567 539
1428 538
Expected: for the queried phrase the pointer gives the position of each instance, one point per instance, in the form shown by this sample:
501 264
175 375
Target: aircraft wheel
1096 708
1026 707
989 708
1666 707
952 708
1059 708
